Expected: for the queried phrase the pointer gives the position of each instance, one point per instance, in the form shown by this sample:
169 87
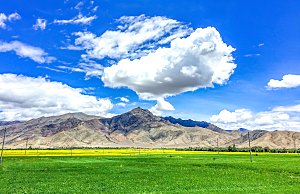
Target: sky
233 63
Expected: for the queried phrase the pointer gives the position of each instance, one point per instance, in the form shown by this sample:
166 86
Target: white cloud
122 104
79 19
279 118
51 69
14 16
226 116
261 44
270 118
23 98
40 24
294 108
124 99
197 61
159 57
79 5
90 68
23 50
95 8
72 48
252 55
161 106
288 81
86 6
135 36
8 18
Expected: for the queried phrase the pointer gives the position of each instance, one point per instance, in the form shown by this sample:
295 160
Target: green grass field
163 173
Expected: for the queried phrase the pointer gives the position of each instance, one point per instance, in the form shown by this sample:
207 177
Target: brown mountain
136 128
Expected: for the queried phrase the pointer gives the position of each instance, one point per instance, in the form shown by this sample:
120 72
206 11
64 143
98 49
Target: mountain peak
140 111
136 118
78 115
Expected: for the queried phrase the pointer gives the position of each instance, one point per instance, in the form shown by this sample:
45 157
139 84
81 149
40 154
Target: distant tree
266 149
232 148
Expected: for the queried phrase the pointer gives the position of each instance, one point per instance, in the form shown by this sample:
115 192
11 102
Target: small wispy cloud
261 44
79 5
26 51
51 69
90 68
252 55
95 8
79 19
8 18
40 24
72 48
134 37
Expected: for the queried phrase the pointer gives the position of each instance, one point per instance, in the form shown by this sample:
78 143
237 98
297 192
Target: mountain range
136 128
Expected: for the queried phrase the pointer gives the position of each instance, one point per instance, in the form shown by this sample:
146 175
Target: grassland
147 171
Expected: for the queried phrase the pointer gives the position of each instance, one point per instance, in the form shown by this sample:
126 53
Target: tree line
233 148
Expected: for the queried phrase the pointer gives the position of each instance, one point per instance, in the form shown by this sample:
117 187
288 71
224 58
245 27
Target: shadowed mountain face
136 128
134 119
191 123
240 129
51 129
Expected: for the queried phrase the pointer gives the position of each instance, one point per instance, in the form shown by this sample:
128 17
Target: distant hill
3 123
136 128
192 123
243 130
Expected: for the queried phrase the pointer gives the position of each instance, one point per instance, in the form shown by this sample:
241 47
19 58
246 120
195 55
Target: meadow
147 171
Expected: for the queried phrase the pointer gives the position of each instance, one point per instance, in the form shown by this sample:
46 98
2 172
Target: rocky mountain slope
136 128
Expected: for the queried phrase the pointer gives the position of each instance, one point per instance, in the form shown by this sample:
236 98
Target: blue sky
67 50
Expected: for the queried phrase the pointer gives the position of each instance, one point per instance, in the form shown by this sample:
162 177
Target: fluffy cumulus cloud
23 50
79 19
288 81
279 118
135 36
40 24
23 98
294 108
238 115
161 106
158 57
124 99
200 60
8 18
